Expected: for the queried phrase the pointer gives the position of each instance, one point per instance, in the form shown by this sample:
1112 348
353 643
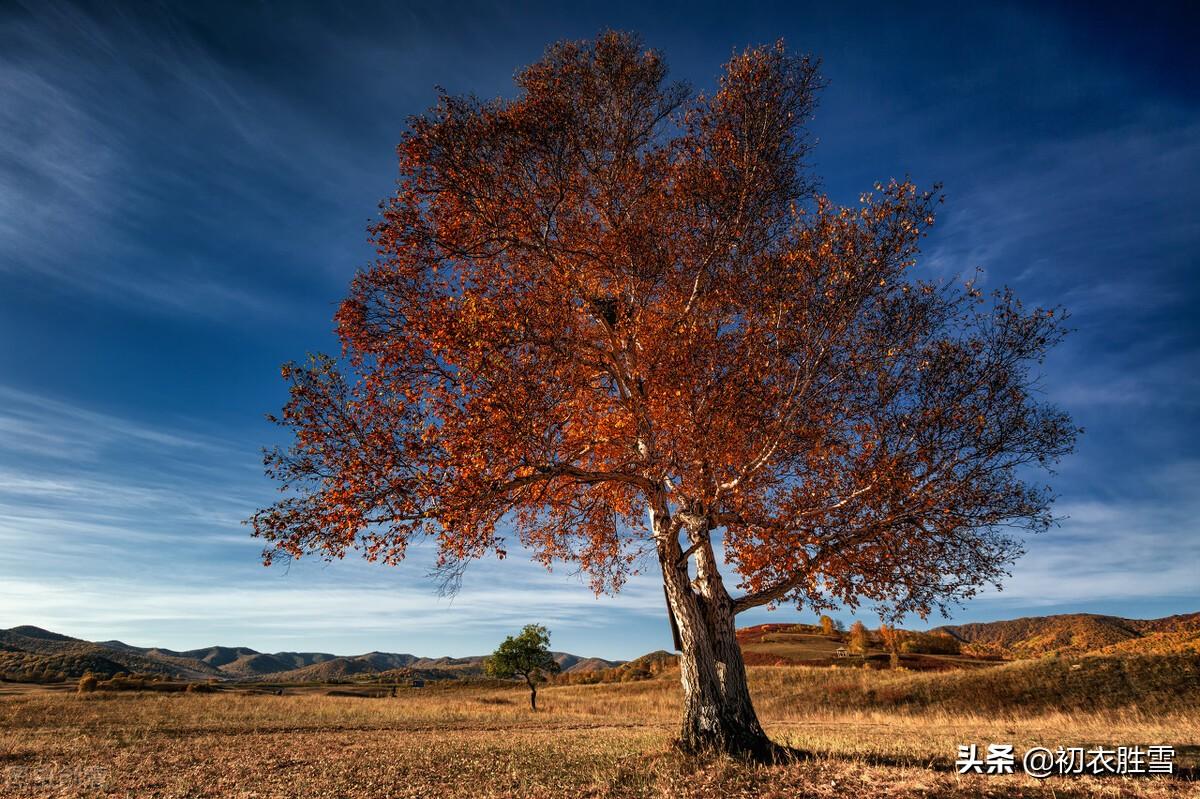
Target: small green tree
527 656
859 639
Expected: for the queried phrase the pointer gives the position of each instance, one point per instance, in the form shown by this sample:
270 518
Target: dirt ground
586 741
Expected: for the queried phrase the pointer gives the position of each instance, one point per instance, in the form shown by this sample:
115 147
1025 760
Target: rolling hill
31 653
430 668
1079 633
983 643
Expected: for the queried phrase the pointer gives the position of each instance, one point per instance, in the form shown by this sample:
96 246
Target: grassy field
874 734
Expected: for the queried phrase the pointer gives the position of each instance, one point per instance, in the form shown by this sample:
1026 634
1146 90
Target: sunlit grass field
873 734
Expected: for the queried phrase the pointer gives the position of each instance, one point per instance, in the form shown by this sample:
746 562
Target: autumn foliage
612 317
892 640
859 639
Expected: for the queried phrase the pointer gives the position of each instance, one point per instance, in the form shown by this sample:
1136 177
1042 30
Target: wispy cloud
1070 213
42 425
81 489
1139 543
109 120
324 606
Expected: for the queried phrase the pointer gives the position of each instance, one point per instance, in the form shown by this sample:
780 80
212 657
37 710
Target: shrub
635 675
124 682
931 644
88 683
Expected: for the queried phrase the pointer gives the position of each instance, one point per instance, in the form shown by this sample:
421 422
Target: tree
526 656
829 626
613 319
892 640
860 641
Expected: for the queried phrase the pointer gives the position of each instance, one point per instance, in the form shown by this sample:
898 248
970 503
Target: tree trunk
532 694
718 715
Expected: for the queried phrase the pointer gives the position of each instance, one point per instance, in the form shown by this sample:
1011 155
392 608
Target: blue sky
183 197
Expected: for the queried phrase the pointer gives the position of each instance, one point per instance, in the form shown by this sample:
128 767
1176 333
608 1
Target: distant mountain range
29 652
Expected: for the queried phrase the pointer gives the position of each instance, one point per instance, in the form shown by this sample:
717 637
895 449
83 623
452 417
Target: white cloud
1116 549
266 609
119 130
42 425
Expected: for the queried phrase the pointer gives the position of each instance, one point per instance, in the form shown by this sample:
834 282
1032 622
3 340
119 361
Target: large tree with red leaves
614 318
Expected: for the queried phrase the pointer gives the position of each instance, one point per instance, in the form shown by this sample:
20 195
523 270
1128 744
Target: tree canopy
526 655
613 316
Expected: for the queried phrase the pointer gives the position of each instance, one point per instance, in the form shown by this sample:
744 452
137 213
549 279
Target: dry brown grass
589 740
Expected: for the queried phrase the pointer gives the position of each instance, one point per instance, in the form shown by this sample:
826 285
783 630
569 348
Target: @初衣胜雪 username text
1041 761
